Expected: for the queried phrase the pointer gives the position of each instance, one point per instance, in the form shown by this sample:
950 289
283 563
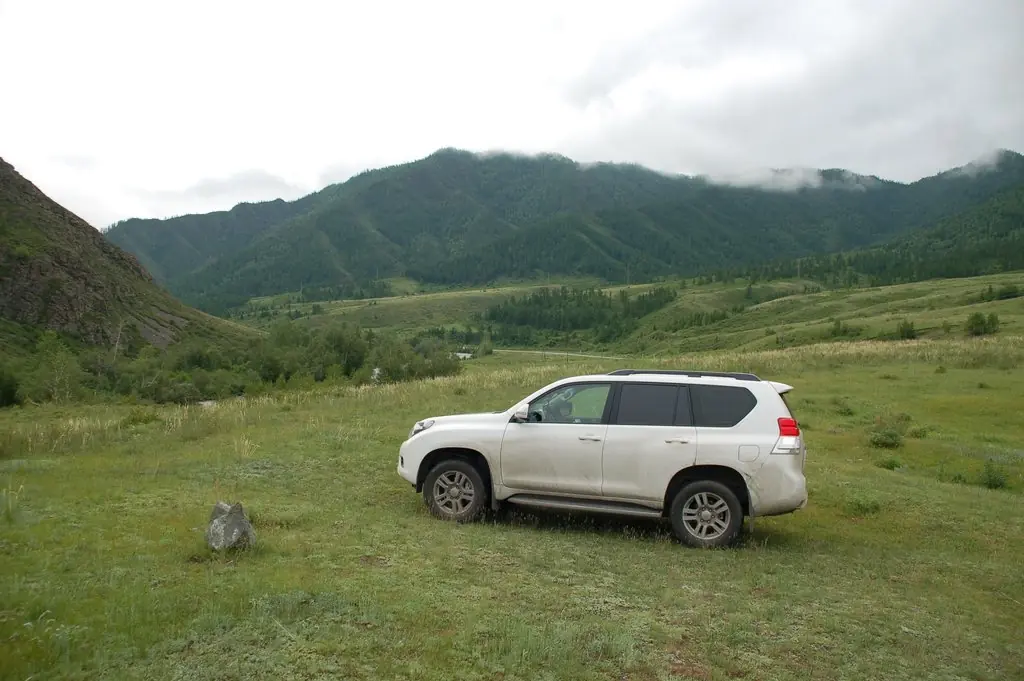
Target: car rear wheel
706 514
455 490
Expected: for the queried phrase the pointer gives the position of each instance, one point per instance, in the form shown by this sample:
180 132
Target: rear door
650 436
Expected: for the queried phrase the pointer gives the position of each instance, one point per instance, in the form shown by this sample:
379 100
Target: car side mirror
522 414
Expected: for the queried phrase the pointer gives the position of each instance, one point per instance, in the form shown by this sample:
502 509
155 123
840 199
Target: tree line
193 370
985 240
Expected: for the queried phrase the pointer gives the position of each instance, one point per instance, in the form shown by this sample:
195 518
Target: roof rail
718 374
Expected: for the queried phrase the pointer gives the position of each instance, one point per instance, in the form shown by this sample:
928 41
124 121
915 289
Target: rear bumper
776 491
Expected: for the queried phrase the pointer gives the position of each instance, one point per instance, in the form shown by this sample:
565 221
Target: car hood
458 419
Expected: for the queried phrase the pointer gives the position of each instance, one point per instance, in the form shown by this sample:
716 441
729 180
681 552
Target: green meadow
905 564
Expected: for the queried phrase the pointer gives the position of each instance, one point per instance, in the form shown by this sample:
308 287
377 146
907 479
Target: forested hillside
168 248
460 218
986 239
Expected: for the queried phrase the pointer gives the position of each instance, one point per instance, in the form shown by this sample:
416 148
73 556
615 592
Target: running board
586 505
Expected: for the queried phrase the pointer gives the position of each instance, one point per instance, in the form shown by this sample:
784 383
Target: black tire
456 481
713 514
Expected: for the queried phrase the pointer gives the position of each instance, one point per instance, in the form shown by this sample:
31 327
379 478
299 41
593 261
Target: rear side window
647 405
720 406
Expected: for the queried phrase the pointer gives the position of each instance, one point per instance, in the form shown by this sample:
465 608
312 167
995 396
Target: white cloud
122 106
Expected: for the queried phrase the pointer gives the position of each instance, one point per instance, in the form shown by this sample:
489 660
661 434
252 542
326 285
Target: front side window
572 404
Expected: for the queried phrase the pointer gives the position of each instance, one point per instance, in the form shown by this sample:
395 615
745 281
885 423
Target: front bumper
405 468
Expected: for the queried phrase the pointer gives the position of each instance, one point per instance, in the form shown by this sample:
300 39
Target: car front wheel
455 490
706 514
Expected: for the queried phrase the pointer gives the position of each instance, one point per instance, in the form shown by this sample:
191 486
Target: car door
649 438
558 450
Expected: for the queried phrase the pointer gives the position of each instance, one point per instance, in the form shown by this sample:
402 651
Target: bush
980 325
905 330
57 376
993 477
9 395
886 439
890 464
888 431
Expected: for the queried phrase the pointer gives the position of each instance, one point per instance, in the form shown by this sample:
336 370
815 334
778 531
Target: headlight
421 426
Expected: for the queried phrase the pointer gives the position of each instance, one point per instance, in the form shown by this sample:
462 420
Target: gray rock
229 528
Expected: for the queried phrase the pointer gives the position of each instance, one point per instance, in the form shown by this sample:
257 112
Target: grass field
413 312
787 316
905 565
937 308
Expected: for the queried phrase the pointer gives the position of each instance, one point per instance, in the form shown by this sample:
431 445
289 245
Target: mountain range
457 217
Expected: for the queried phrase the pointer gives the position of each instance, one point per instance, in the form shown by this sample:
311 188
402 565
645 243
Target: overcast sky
154 108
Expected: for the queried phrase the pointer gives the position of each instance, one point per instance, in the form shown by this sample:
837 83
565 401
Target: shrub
918 432
57 375
888 431
8 389
890 464
980 325
993 477
887 438
905 330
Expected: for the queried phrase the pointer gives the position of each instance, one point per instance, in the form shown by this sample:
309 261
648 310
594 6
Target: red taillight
788 428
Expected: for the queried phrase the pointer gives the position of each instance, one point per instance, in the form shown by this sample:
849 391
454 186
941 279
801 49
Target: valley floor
905 564
770 315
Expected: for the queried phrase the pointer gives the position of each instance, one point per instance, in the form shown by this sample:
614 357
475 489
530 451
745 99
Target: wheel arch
729 477
471 456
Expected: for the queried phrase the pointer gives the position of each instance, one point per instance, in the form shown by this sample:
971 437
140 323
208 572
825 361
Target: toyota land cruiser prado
703 449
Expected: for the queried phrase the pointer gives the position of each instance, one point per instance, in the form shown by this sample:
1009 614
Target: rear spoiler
780 388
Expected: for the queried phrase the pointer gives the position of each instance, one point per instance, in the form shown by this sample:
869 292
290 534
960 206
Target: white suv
704 449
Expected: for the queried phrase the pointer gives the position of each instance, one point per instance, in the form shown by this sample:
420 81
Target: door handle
592 438
676 441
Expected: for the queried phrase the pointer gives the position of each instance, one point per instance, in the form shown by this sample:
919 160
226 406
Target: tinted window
647 405
720 406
